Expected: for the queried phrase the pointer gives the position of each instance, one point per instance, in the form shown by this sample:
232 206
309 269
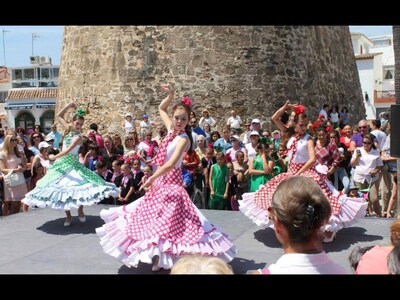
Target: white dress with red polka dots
345 210
162 223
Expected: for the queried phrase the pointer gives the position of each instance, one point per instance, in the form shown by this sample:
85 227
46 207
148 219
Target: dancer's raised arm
276 116
62 112
163 107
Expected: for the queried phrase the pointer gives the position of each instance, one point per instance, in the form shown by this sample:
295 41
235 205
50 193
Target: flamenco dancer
68 183
164 224
301 153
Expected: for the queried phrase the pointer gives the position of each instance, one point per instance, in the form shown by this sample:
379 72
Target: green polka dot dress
69 184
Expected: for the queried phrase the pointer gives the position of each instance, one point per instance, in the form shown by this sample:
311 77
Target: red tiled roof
367 56
32 93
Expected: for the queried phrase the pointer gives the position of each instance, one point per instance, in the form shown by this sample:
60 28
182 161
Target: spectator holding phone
368 163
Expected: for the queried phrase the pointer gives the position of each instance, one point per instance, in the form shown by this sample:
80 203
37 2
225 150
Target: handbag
14 179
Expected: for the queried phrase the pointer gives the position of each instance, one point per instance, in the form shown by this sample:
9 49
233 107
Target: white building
32 98
375 64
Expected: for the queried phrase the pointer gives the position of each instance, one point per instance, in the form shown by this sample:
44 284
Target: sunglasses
367 143
361 127
13 140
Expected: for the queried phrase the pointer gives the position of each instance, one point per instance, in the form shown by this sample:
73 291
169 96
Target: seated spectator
383 259
197 264
356 254
299 210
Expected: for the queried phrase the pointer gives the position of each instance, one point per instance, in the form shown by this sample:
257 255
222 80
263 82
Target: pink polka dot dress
164 223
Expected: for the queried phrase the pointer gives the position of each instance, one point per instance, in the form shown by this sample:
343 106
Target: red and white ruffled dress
345 210
164 222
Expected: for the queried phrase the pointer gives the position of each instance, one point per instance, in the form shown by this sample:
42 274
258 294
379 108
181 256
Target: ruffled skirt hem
116 242
351 210
69 197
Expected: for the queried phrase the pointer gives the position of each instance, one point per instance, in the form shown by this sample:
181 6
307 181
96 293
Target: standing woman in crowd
68 183
12 160
207 119
128 124
164 224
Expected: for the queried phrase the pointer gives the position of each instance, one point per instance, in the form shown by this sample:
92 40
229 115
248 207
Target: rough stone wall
118 69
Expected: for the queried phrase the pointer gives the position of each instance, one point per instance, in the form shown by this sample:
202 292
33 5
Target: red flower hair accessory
299 109
187 101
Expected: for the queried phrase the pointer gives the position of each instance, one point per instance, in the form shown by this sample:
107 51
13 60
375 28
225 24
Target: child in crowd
137 175
233 188
207 163
219 184
126 194
37 174
117 174
148 171
354 193
101 170
132 155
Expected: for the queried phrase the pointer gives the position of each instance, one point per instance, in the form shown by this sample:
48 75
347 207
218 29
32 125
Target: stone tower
118 69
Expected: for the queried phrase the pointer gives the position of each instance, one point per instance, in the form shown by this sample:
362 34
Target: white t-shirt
367 163
324 113
234 122
299 263
334 117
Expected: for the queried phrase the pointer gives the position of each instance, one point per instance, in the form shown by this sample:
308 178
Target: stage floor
37 243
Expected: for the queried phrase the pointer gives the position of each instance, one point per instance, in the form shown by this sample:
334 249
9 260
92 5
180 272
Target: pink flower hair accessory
187 101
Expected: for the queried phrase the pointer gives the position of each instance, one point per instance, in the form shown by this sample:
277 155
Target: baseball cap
128 115
49 139
43 145
255 121
275 131
236 137
145 116
254 133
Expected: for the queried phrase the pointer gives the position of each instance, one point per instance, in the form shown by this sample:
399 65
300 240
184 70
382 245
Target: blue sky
18 42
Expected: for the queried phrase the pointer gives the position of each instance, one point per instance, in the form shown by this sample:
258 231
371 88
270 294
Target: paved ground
37 243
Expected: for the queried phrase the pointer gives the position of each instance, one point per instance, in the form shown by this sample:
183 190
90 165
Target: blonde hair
197 264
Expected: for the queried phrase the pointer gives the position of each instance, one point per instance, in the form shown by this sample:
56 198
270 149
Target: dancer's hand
147 185
169 88
52 157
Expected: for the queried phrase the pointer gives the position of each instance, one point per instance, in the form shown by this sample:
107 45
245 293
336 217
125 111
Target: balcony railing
385 94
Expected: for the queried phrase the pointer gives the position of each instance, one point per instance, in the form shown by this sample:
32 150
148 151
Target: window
46 120
55 72
25 120
29 74
388 74
45 73
17 74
